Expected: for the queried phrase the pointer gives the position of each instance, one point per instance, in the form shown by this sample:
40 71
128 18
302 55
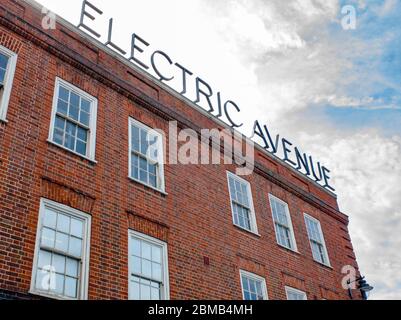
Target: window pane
3 61
2 76
135 138
136 265
81 147
156 254
76 228
146 268
136 247
74 100
61 242
85 105
245 283
50 219
155 294
135 291
146 250
42 280
252 285
58 263
156 271
62 107
63 223
48 237
59 284
71 129
75 247
84 118
135 166
143 164
145 292
144 142
63 93
58 136
82 134
153 181
44 259
72 267
73 112
232 188
71 287
143 176
152 169
60 123
69 142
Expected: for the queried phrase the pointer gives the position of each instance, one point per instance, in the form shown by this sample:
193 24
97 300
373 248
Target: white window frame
161 187
296 291
84 277
256 278
307 216
165 294
91 144
287 211
8 81
252 215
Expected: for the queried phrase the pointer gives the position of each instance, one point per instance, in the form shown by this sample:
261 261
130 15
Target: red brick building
84 214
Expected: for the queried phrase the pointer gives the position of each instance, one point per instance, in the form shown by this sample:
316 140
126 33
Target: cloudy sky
335 92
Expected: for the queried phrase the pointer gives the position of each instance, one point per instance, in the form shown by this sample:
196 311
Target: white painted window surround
148 268
61 259
8 63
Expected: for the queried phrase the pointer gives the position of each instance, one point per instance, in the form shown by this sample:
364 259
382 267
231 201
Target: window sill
326 266
252 233
51 296
162 192
92 161
5 121
289 250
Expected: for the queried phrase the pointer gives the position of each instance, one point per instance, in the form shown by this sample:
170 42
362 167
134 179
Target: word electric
217 106
203 90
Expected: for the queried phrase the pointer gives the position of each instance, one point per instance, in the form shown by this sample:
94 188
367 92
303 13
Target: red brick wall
194 218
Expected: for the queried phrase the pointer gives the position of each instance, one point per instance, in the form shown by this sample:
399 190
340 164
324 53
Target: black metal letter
302 161
287 151
185 71
313 170
326 179
162 78
110 43
233 124
199 91
134 46
258 131
273 144
85 13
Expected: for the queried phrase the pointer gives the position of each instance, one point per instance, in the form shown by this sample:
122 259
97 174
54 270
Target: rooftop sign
216 105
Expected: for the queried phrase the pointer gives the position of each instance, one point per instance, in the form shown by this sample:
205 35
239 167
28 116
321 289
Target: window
282 223
241 203
253 286
316 240
61 262
73 124
295 294
148 268
146 155
8 62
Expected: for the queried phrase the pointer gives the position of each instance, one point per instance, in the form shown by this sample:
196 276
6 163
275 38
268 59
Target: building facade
86 213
